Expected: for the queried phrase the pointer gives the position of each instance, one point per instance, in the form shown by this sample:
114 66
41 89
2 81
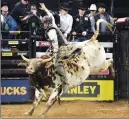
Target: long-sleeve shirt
11 24
66 22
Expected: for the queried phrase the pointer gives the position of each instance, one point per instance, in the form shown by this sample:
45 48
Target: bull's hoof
42 115
113 75
28 113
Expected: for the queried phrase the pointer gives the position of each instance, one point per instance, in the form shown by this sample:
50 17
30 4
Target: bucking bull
79 61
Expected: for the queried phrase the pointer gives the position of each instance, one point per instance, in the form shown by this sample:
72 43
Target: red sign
121 20
106 72
43 43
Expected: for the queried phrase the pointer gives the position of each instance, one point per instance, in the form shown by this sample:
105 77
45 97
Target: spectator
33 19
33 12
93 10
66 20
102 14
81 24
10 23
21 9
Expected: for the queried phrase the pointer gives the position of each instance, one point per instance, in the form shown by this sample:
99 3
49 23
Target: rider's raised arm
43 7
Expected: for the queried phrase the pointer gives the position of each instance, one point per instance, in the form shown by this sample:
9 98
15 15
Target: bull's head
34 64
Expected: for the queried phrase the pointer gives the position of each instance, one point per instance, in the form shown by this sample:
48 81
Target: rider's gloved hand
65 34
84 33
74 33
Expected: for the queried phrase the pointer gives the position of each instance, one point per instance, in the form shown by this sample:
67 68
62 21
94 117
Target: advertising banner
14 91
92 90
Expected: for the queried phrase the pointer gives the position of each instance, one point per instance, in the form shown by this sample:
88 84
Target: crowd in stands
80 26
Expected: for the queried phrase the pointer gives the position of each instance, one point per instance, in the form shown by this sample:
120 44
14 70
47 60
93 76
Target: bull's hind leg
38 98
111 69
109 65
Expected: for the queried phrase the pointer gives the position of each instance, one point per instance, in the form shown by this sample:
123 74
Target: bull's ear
39 63
48 65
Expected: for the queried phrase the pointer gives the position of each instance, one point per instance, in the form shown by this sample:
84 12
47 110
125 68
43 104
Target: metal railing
11 57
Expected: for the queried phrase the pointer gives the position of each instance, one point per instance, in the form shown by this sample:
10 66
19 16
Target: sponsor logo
87 89
13 90
77 19
23 53
86 18
13 42
7 54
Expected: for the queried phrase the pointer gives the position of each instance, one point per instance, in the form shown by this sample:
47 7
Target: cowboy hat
65 6
93 7
4 4
101 5
82 6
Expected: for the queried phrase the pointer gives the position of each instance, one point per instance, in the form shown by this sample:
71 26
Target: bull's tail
98 27
105 22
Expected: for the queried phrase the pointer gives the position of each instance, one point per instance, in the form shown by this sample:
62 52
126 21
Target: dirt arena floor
72 109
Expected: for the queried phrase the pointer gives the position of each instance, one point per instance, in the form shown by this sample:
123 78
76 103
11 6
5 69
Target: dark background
121 7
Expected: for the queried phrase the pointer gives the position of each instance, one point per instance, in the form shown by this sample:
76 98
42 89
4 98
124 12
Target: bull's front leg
52 99
38 97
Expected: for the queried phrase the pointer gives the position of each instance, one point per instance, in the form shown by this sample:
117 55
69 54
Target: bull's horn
25 59
47 60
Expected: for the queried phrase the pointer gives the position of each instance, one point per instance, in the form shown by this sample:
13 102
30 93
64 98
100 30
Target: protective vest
61 38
